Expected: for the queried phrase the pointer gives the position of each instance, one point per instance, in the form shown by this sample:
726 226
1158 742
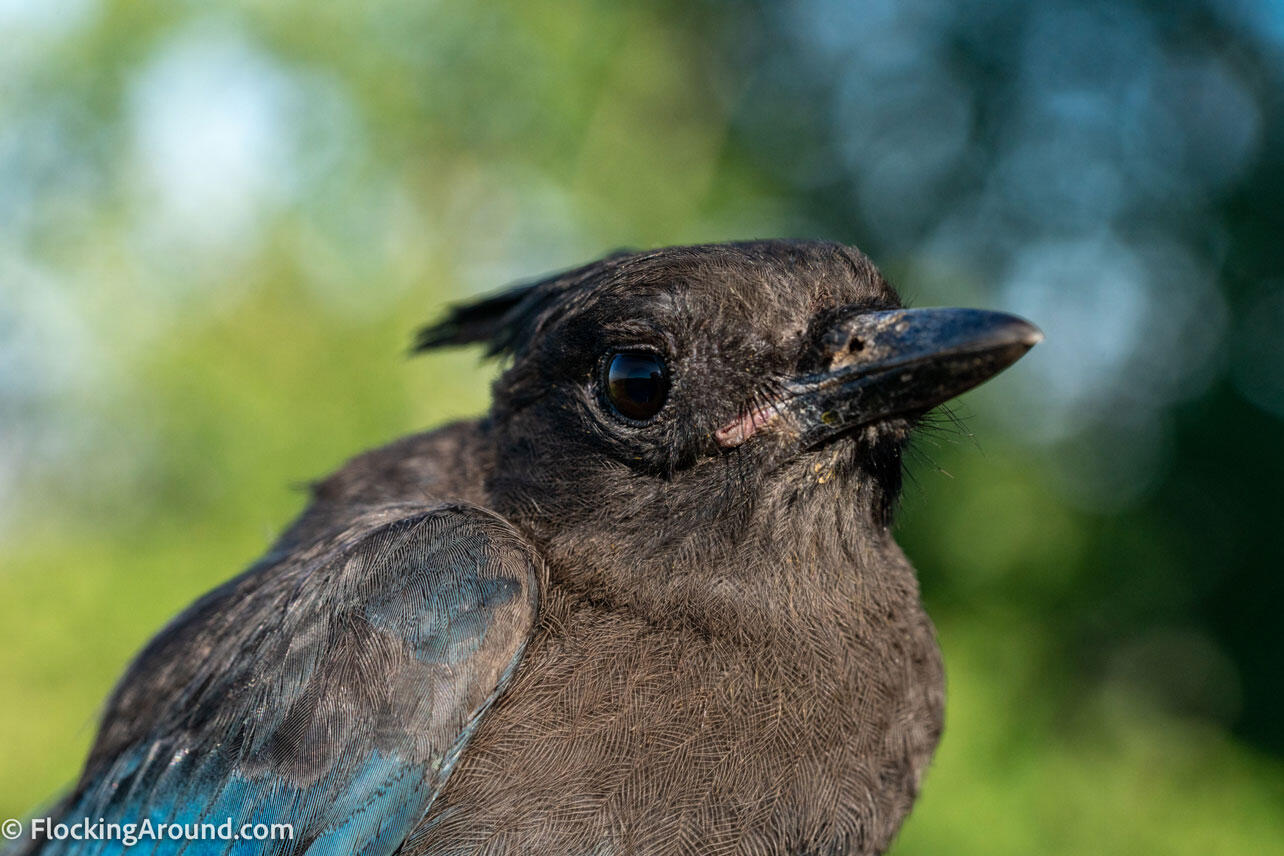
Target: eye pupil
637 383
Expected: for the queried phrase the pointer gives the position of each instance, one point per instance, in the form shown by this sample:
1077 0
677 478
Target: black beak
900 362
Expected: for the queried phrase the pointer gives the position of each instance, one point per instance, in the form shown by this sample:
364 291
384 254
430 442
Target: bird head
676 405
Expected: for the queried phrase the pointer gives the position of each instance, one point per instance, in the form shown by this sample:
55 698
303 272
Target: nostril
856 345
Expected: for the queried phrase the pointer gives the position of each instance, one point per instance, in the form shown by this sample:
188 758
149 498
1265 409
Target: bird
649 603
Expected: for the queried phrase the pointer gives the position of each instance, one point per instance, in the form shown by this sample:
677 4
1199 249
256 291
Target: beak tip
1028 334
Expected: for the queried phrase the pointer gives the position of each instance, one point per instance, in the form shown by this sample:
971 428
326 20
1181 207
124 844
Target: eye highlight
636 383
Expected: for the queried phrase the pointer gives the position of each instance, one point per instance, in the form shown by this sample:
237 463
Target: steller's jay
650 603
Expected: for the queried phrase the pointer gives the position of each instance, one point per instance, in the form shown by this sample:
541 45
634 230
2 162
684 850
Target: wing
332 689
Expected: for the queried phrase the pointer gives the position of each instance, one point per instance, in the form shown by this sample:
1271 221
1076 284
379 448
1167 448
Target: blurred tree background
219 225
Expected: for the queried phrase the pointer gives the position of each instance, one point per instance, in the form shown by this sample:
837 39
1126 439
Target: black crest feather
506 320
492 320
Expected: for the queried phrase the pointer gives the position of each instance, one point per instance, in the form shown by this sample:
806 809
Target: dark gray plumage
673 523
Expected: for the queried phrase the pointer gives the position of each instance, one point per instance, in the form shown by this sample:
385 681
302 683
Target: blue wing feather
331 688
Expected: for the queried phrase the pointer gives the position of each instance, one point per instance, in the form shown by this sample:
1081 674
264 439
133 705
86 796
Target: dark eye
637 383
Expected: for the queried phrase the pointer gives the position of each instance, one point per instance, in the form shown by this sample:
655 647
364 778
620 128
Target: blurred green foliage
219 226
